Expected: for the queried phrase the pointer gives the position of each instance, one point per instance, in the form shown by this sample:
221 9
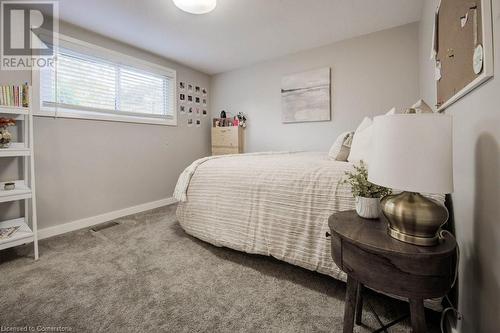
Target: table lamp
413 153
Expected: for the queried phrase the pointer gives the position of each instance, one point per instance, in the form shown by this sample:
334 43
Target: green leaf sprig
361 187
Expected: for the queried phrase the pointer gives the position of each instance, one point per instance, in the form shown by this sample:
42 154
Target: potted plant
5 136
367 194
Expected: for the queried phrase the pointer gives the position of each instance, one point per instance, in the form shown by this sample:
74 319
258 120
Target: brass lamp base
422 241
414 218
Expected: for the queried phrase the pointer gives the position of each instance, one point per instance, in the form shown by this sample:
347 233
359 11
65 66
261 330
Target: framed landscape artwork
306 96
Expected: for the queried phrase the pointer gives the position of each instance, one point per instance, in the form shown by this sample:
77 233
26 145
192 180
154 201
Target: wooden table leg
359 304
417 316
350 304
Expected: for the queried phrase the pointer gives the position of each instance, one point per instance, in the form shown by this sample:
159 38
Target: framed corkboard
463 48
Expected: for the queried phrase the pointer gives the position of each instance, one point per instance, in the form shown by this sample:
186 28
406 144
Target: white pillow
391 112
421 107
361 143
337 145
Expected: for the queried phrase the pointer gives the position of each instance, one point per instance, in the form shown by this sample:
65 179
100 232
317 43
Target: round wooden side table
370 257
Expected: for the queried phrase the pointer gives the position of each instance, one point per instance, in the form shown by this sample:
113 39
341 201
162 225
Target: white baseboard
98 219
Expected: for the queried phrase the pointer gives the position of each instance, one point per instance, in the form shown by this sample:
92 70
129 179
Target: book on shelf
14 96
6 233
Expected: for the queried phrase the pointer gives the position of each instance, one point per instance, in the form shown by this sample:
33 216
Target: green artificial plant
361 187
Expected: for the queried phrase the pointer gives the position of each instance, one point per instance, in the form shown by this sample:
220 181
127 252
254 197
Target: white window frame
115 57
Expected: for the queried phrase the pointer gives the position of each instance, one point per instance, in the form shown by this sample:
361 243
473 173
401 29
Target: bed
275 204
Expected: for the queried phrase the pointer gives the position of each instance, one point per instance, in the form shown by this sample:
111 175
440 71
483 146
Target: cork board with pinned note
463 48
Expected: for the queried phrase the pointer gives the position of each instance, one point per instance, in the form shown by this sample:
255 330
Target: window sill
90 115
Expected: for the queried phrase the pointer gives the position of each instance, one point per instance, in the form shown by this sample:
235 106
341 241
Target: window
92 82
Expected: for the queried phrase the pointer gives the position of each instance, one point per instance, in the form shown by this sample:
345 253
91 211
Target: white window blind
87 83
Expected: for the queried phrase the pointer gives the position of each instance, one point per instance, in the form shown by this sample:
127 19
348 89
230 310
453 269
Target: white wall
86 168
476 199
370 75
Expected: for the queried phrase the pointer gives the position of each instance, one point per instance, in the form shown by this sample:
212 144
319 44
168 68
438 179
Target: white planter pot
369 208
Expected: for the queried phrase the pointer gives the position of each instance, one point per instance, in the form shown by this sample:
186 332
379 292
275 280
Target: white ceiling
238 32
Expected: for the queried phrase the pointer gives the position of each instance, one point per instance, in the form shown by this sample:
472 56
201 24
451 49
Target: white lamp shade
412 152
196 6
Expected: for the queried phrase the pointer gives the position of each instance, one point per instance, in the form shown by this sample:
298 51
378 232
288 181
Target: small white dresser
227 140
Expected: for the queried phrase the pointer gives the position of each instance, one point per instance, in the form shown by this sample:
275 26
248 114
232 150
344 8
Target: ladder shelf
24 188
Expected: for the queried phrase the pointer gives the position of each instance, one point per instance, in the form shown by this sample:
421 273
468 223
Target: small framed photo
190 122
190 87
198 122
204 112
197 90
182 97
190 109
182 109
197 100
204 102
197 111
182 85
190 99
204 91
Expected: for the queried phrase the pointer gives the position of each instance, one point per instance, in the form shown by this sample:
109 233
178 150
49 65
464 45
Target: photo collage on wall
193 103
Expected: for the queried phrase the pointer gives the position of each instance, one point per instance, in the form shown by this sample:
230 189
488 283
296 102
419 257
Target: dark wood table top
370 257
372 234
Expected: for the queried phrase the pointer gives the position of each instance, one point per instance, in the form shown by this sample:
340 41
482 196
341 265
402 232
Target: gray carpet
147 274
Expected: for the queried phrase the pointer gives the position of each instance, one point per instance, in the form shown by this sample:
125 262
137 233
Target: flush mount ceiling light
196 6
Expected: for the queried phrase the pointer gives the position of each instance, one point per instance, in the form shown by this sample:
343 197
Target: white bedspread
274 204
180 191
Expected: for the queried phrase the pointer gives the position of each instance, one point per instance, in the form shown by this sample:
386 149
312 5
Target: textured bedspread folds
271 204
